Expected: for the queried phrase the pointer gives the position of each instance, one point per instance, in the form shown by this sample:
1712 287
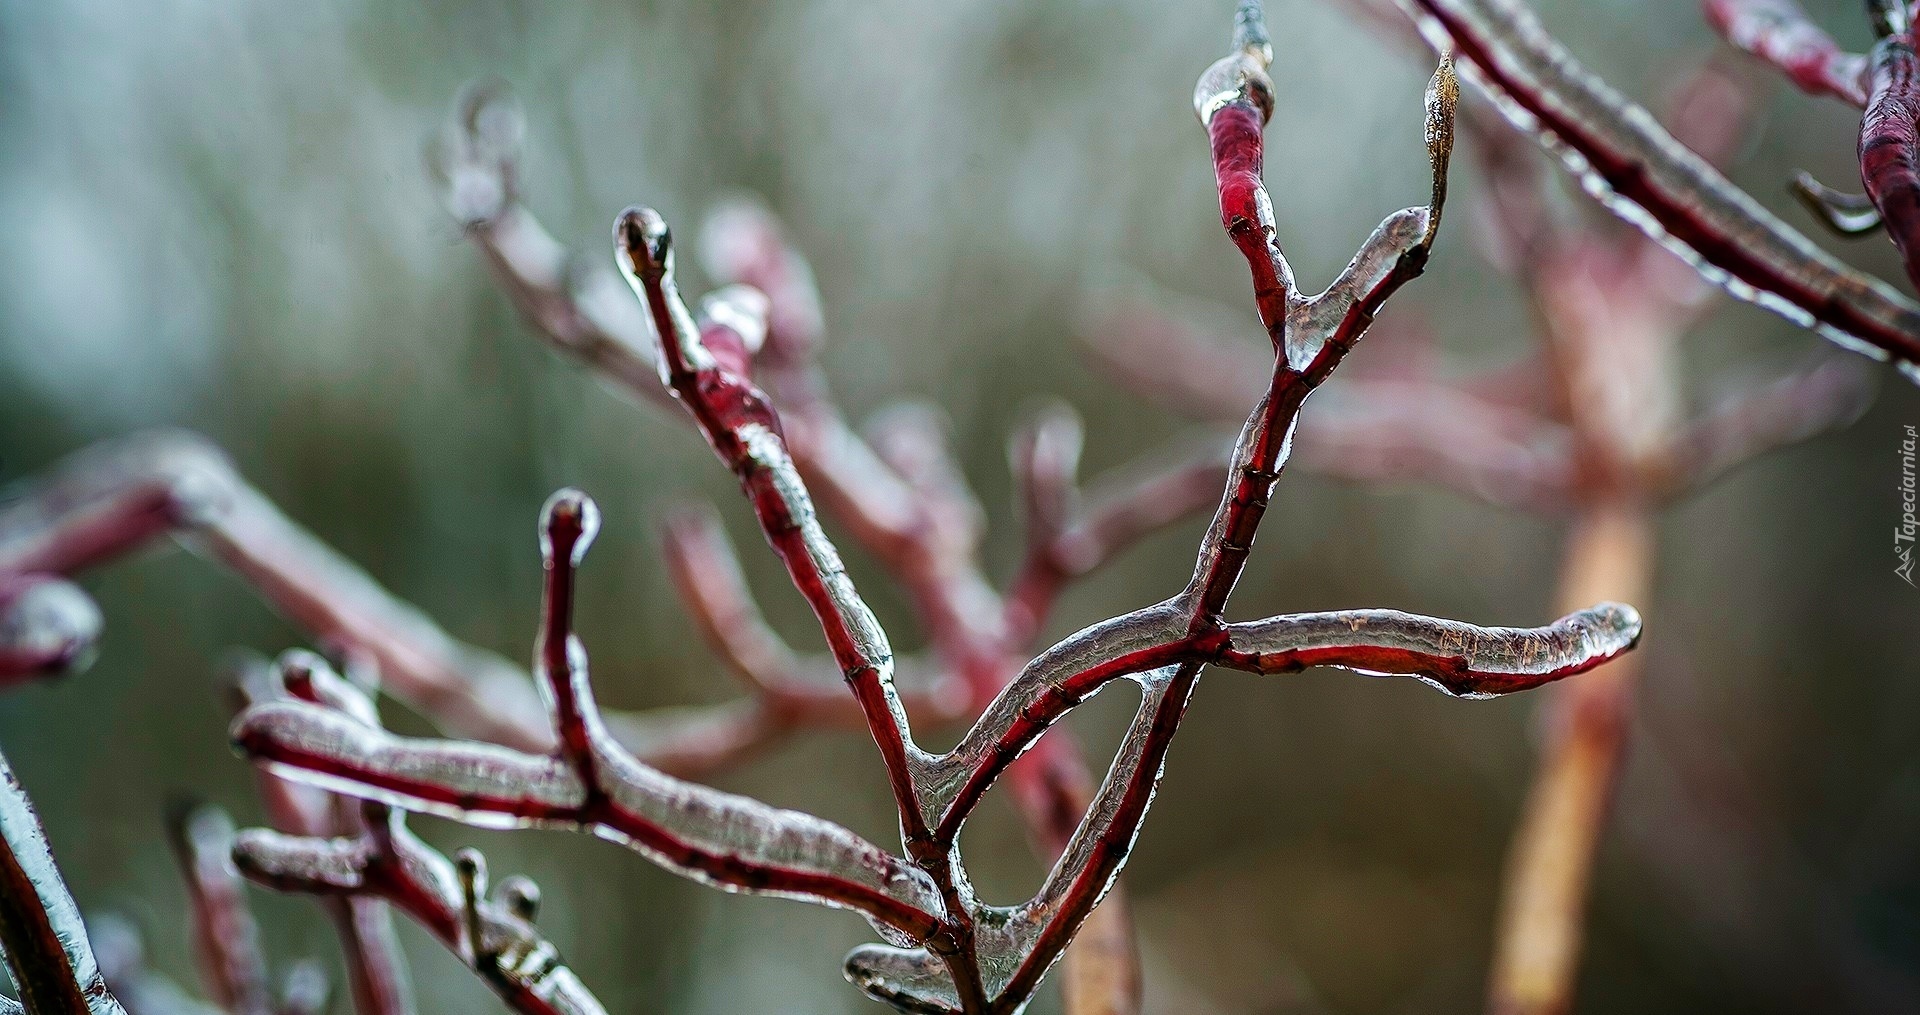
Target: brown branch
1746 425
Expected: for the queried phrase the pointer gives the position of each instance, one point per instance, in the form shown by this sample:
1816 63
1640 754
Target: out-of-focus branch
115 498
1549 870
1780 33
112 499
226 941
793 691
1365 429
47 627
1765 418
583 312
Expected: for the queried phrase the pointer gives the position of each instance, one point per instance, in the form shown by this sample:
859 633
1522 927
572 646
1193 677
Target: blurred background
218 218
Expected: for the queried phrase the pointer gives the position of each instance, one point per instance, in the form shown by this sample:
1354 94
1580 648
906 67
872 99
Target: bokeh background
217 218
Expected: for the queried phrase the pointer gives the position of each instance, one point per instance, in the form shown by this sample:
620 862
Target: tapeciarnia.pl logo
1903 534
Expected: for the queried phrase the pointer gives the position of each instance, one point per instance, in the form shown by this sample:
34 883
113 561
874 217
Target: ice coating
1844 213
908 979
1315 320
1461 659
1036 697
1626 160
42 939
727 840
389 863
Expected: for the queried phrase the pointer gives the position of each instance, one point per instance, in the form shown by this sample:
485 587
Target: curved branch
1461 659
593 785
1843 213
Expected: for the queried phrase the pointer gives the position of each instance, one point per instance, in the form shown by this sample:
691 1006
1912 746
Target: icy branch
389 863
42 939
1460 659
1631 164
593 785
1889 137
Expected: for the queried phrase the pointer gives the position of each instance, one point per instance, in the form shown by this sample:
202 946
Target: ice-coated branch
42 940
1636 168
592 784
1460 659
1780 33
377 975
47 627
744 431
387 862
114 498
1889 137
